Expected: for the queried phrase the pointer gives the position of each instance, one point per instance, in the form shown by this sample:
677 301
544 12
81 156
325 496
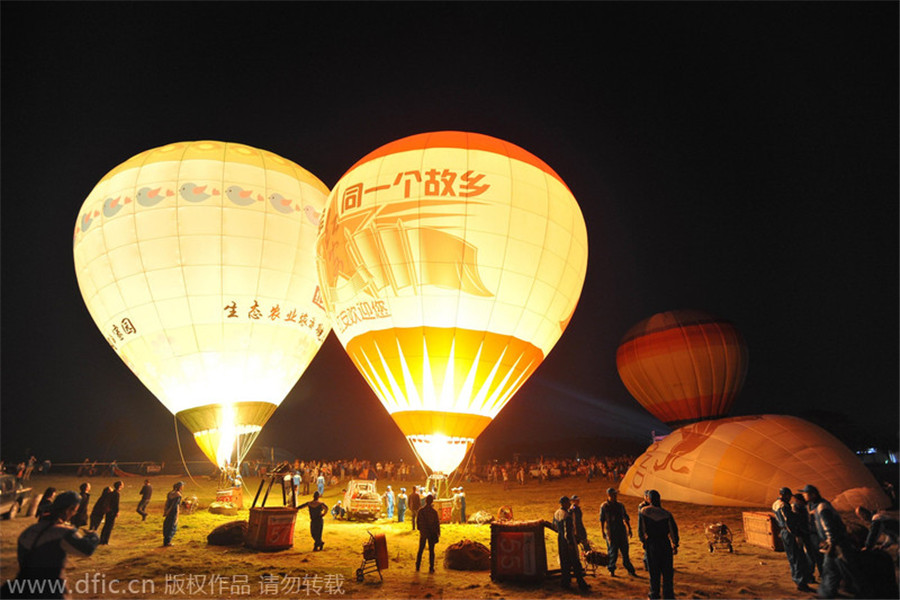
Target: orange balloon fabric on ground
743 461
683 365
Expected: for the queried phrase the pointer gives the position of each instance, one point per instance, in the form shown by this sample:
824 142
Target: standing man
389 501
170 513
99 510
320 483
616 527
146 492
578 516
401 504
415 503
658 532
317 512
429 526
462 504
81 515
567 544
112 511
807 539
801 569
454 506
840 556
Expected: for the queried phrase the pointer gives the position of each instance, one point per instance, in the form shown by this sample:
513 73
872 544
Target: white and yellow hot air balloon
450 264
197 262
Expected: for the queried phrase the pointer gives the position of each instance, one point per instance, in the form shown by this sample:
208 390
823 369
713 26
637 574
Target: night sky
737 158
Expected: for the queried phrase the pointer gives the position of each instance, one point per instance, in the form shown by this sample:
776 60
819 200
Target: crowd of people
813 534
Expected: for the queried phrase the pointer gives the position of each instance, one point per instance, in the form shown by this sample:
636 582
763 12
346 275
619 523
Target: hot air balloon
743 461
450 264
683 365
197 262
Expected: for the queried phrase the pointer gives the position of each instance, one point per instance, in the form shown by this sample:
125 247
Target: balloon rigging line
178 439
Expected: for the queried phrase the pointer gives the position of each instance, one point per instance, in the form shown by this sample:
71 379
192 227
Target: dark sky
738 158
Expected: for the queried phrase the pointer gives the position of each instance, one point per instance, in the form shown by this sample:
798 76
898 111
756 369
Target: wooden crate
761 529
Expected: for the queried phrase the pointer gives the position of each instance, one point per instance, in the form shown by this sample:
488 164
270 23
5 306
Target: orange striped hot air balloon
683 365
450 264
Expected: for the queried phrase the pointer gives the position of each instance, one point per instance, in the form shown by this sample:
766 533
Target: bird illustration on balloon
113 205
240 196
196 193
147 196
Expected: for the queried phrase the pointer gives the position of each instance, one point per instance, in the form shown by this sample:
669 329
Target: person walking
402 500
80 519
567 545
415 503
320 484
616 528
43 547
112 512
658 532
801 569
146 492
429 526
171 511
317 512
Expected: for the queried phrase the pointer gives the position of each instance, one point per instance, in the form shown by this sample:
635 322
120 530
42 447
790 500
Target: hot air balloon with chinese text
197 262
683 365
450 264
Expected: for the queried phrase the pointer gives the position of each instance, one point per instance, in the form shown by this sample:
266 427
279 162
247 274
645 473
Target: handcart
375 557
718 535
592 559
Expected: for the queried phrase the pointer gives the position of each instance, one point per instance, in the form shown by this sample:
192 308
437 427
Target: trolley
375 557
718 535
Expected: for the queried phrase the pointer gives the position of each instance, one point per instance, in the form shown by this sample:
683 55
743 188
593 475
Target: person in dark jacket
578 516
789 522
317 512
429 525
46 501
415 504
170 513
146 492
616 527
81 515
806 535
100 507
841 561
567 545
112 511
658 532
42 550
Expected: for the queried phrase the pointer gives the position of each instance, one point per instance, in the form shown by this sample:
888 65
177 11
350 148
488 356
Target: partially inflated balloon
197 262
450 264
683 365
744 461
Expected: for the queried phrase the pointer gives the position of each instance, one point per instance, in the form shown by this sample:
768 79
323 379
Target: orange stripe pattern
683 366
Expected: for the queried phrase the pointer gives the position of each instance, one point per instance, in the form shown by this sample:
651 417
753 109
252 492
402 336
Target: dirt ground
135 565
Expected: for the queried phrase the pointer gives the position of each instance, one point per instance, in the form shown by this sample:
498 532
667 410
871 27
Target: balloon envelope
744 461
197 262
683 365
450 263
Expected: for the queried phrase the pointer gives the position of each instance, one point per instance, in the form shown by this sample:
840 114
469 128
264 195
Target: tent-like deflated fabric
743 461
683 365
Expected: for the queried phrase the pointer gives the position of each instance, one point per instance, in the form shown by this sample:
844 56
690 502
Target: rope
178 439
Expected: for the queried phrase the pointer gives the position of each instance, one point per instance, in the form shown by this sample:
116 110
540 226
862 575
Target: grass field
192 569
